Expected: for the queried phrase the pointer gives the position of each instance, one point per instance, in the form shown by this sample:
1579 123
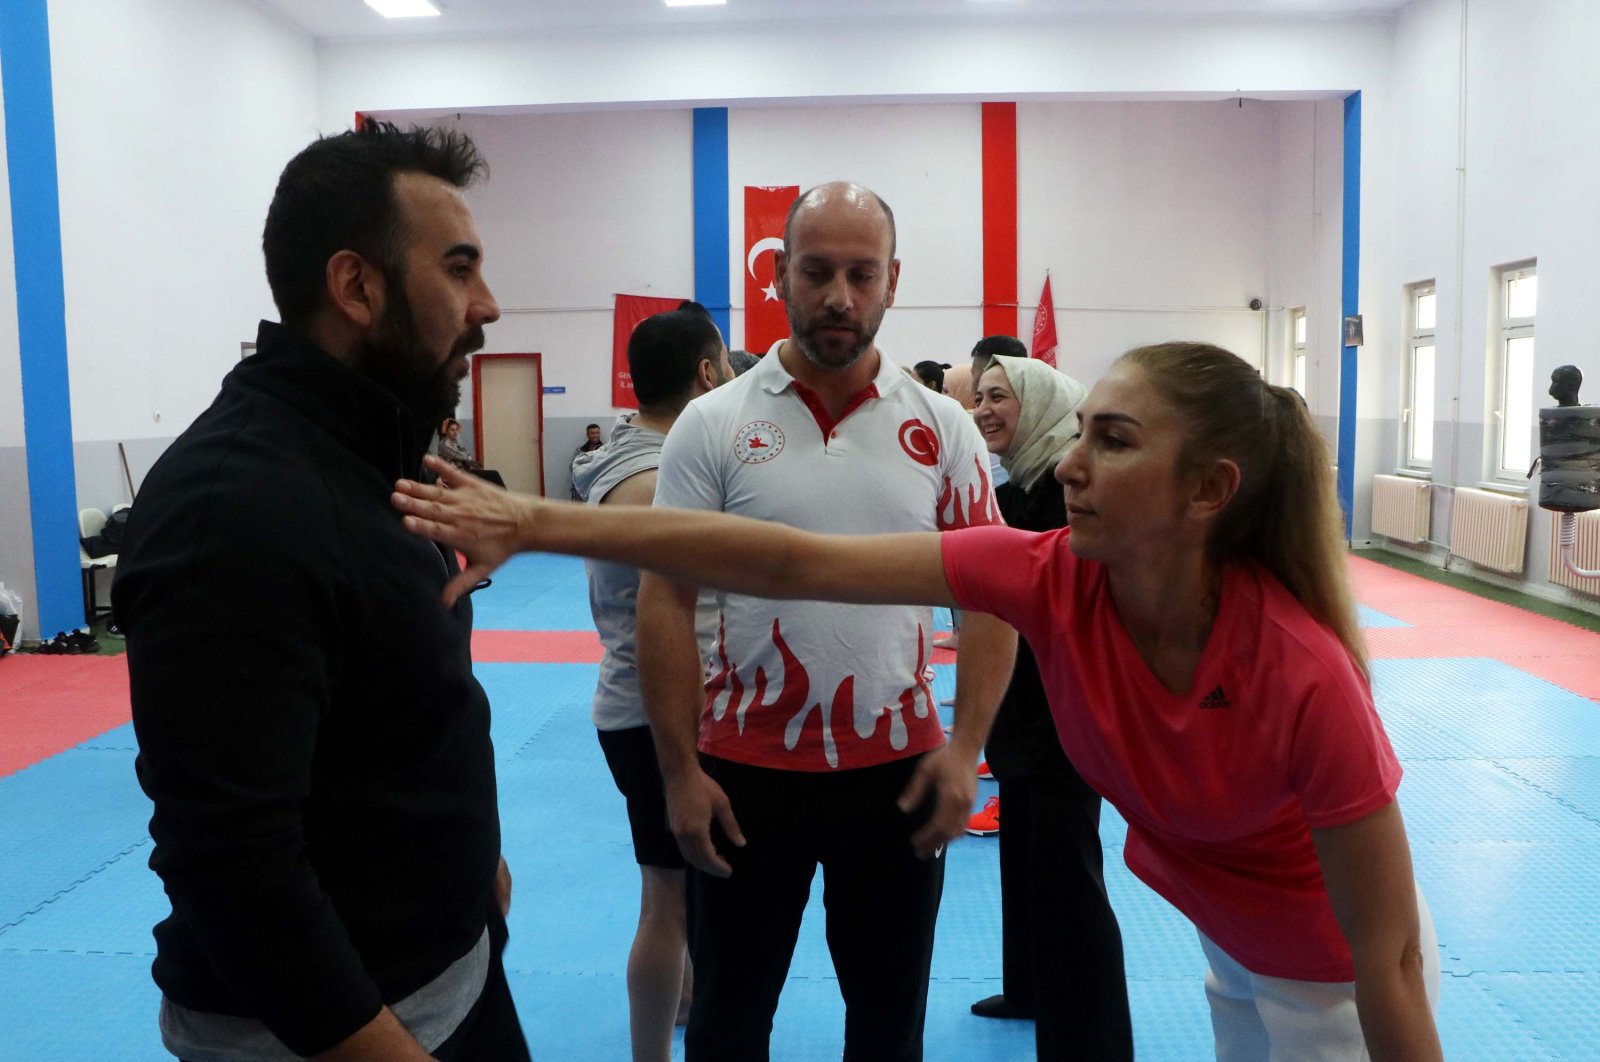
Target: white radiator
1586 554
1490 529
1400 508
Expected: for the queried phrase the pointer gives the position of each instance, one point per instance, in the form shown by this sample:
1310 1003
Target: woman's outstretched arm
717 550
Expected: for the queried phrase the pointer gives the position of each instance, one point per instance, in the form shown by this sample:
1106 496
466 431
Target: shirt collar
774 379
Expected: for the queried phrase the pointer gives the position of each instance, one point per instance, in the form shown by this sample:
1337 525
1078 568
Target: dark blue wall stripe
41 311
1349 305
711 282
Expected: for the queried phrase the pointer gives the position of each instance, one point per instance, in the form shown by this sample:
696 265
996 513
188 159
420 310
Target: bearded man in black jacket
325 819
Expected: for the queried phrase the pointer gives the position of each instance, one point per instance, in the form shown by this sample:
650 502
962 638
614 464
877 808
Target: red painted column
1000 314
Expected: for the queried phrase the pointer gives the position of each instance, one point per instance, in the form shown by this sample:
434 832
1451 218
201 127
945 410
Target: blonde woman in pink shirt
1199 648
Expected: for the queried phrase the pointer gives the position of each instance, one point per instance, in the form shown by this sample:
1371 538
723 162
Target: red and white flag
630 310
765 319
1044 327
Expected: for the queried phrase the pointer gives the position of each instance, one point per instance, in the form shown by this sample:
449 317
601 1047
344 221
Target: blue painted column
41 312
1350 302
711 281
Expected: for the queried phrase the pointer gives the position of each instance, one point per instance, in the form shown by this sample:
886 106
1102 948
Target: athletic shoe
986 823
984 772
1000 1007
82 642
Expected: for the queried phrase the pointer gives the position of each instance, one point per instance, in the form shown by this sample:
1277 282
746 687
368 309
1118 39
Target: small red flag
1044 327
630 310
766 320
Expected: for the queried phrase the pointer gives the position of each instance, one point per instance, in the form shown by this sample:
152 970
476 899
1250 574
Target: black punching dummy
1569 447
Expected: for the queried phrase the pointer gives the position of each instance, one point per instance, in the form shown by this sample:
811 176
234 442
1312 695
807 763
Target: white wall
1149 217
173 120
578 208
1532 144
995 56
11 430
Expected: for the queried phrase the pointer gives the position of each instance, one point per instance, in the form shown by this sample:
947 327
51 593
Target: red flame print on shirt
980 506
724 721
919 442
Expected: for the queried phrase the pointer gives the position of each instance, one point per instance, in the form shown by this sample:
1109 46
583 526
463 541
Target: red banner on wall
630 310
765 319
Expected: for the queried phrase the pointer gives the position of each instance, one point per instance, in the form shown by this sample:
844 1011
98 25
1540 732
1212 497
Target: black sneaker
82 642
1000 1007
57 646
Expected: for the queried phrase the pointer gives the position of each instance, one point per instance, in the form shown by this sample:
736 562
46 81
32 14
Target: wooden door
508 418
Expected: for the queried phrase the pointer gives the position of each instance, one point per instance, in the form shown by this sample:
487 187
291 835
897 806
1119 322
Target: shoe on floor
1000 1007
984 772
82 642
986 823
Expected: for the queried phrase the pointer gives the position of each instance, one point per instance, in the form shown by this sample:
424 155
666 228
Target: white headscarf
1048 422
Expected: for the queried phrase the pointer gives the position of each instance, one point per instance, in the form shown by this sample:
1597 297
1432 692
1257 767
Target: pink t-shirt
1221 786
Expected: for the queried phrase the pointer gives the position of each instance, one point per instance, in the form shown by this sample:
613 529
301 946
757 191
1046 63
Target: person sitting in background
591 440
1052 880
450 447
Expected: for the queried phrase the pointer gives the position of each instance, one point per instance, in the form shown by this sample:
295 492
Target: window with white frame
1297 350
1422 314
1512 363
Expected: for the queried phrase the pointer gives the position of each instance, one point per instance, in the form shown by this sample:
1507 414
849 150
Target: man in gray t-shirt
673 357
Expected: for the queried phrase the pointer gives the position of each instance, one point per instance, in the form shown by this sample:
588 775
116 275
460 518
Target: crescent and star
770 243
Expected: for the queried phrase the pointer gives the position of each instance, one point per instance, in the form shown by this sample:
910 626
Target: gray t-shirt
430 1014
614 588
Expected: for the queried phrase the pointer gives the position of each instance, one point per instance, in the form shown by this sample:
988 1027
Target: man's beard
395 359
804 333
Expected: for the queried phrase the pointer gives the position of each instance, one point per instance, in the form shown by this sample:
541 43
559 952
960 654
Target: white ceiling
354 20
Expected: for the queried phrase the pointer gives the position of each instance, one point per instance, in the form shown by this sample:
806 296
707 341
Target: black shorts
631 755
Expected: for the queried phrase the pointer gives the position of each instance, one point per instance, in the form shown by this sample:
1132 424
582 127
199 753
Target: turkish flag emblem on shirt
1044 327
765 319
630 310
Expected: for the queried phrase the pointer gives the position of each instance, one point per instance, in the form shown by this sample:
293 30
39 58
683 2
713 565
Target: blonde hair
1285 515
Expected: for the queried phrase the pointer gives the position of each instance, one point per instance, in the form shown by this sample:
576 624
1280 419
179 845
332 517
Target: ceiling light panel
403 8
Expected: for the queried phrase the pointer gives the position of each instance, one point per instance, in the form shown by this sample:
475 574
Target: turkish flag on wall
1044 327
630 310
765 320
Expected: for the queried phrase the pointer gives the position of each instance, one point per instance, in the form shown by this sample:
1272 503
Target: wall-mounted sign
555 390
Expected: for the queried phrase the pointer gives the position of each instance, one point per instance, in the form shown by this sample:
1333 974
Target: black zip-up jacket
309 728
1023 742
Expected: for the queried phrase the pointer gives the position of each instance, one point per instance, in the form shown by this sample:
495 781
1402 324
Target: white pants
1274 1019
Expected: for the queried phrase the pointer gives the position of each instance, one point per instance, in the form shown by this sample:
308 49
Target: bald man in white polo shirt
816 739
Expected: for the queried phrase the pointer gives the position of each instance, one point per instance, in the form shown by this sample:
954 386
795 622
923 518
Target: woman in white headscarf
1061 946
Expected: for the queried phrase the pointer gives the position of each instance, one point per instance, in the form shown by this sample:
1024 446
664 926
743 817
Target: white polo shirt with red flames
807 685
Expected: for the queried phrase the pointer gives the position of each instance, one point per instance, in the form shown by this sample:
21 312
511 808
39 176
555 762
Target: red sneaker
986 823
984 772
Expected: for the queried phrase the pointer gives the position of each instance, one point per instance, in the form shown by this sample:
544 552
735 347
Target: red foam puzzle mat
50 703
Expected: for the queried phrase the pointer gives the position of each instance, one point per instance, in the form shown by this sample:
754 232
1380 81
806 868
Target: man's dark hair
694 307
665 352
799 201
596 427
990 347
338 195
